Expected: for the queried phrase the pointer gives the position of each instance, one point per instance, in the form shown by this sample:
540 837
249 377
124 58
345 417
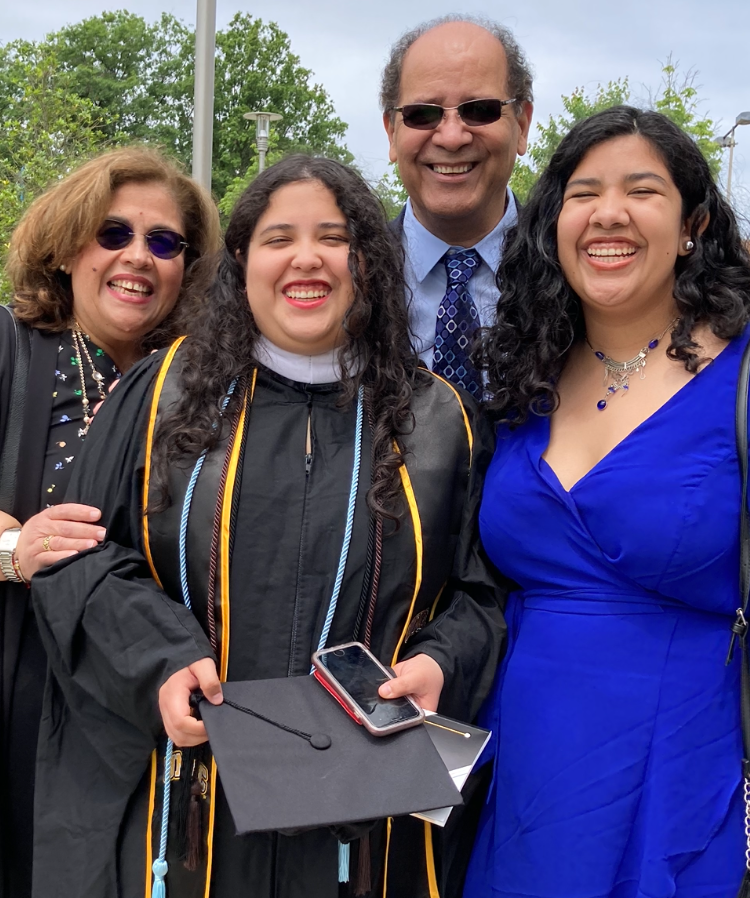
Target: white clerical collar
304 369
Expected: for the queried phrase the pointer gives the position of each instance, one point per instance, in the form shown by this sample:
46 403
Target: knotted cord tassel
363 884
343 863
194 854
744 891
159 868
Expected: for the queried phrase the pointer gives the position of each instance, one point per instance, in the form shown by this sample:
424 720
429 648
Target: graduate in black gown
302 330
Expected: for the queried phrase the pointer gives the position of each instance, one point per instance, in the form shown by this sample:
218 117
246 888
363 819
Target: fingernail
386 691
94 514
92 543
101 533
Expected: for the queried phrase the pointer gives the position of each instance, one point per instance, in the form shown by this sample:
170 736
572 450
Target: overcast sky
576 43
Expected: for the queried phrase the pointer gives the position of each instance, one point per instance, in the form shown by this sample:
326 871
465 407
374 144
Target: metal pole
203 120
729 170
262 143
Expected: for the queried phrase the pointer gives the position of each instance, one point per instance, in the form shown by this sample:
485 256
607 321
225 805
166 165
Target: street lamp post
203 119
262 130
728 141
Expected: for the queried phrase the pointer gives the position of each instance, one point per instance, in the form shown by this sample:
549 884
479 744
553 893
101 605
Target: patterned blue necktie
457 324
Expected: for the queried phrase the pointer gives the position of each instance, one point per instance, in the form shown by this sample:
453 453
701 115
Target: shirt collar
424 250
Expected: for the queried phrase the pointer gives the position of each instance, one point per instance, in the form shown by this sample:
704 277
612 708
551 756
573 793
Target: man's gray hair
520 76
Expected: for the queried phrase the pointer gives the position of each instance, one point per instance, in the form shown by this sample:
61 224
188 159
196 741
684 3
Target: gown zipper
308 441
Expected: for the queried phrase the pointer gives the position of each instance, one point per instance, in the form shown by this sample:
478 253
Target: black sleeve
7 361
112 635
467 634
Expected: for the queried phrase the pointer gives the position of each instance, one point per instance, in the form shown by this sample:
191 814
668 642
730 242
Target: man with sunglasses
456 97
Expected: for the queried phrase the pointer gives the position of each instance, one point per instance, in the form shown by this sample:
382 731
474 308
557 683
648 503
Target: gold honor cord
159 386
419 550
147 551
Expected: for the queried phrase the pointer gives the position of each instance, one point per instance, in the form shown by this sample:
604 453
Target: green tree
677 98
578 106
141 77
45 130
391 191
256 69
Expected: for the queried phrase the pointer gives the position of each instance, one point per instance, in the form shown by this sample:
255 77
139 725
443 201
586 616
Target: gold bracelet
17 568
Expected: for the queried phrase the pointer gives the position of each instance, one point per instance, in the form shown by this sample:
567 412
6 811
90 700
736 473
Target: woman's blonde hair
64 219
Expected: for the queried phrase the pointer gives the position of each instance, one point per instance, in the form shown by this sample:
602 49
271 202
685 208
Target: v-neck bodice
658 514
615 719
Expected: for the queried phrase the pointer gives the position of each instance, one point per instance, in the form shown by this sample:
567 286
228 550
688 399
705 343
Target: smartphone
352 674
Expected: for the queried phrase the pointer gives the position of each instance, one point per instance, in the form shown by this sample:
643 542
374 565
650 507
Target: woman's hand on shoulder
174 701
57 533
421 677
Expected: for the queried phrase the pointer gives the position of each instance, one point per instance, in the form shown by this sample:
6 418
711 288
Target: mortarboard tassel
744 891
343 863
363 884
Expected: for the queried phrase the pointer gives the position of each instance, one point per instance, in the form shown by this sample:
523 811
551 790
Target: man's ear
389 125
524 124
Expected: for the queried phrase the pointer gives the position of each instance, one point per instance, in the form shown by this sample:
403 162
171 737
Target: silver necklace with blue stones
617 374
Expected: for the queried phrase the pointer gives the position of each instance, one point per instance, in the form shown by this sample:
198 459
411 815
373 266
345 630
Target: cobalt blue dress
616 729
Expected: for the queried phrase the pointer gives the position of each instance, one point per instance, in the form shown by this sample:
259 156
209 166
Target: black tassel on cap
744 891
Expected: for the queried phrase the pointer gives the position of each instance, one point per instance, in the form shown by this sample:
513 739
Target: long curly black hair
539 316
222 340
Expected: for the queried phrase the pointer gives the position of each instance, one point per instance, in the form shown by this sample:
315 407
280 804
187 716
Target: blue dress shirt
426 277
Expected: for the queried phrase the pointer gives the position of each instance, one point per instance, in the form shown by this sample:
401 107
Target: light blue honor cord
344 849
160 866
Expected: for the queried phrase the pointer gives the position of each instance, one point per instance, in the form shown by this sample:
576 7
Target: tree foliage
115 78
677 98
45 130
142 78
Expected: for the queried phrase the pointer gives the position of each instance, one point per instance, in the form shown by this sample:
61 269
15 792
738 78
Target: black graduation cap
309 764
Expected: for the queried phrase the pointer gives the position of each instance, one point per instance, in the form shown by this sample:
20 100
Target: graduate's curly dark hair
221 344
539 316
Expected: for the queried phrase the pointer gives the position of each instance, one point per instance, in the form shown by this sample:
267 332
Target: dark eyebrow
324 225
595 182
583 182
641 175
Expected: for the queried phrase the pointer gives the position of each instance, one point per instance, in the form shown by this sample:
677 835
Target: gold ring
45 543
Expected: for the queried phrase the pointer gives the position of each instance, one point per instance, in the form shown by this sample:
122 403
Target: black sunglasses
161 242
475 113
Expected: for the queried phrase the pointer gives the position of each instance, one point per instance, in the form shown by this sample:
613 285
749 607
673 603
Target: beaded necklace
617 374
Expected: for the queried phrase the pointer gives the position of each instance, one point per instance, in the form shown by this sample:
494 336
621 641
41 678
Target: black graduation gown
118 636
22 661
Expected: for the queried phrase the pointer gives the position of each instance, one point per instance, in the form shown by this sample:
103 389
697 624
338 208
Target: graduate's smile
297 270
307 294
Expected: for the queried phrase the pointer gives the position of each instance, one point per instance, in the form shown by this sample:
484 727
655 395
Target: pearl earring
64 269
689 246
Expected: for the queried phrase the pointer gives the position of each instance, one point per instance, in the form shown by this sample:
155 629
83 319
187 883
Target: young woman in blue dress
613 501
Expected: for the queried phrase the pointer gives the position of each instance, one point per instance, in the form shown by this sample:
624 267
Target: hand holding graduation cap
420 677
174 701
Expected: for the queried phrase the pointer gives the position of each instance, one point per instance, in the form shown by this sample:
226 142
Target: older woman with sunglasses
98 266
